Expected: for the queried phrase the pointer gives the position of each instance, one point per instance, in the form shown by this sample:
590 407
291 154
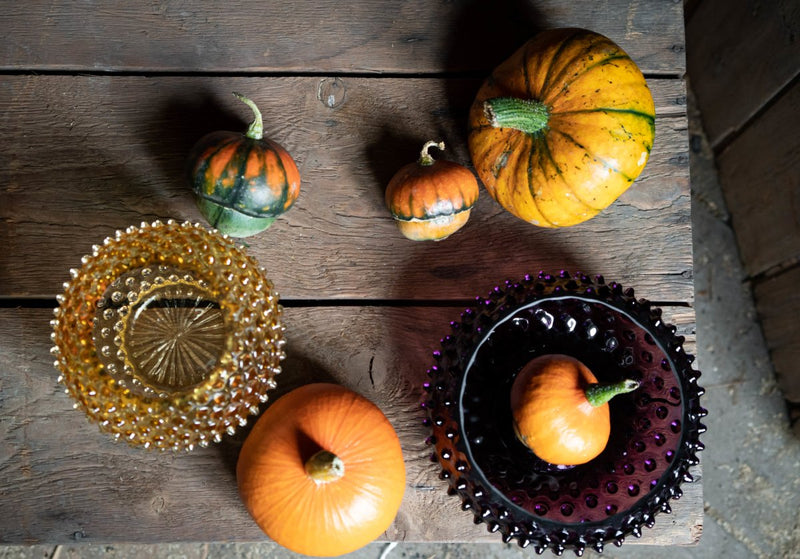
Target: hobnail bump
655 430
169 336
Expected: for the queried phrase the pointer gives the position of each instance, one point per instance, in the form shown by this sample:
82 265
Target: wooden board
61 480
99 106
86 155
741 55
778 306
369 36
760 172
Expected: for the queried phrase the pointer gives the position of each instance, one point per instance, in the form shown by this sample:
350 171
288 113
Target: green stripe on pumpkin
574 78
556 56
284 187
646 116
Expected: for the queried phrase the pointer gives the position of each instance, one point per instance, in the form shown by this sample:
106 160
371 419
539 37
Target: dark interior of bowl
654 433
646 425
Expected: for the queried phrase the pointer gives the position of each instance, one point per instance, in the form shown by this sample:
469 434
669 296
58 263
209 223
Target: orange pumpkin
562 128
322 471
561 411
429 199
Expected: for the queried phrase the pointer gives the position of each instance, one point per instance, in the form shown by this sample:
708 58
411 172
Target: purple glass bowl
655 429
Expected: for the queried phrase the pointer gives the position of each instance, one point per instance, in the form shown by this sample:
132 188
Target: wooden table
100 103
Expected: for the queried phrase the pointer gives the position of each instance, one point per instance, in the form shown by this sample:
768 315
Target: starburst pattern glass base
169 336
159 330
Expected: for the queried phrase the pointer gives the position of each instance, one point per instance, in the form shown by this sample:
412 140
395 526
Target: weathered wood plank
83 156
760 174
411 36
778 306
61 479
741 55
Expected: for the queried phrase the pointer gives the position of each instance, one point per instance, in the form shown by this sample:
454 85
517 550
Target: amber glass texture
168 336
655 429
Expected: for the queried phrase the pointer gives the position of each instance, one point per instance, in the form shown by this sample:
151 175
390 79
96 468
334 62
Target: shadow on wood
485 34
182 120
389 153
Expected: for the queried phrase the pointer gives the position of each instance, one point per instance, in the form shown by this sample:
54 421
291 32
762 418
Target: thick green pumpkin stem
599 394
256 129
324 467
425 158
525 115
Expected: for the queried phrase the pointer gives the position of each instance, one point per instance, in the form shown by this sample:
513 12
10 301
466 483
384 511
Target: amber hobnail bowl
169 336
655 430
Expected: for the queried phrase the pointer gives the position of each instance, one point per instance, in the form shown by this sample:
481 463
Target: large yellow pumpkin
562 128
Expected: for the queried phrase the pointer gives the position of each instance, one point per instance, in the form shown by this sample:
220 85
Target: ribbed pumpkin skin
431 202
599 135
427 192
242 182
328 519
552 415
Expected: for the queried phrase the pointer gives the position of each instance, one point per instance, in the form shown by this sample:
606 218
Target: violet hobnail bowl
655 430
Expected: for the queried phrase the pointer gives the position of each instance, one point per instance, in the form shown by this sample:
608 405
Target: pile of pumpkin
556 134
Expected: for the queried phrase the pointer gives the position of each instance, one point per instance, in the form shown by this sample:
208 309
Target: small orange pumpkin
562 128
561 411
429 199
322 471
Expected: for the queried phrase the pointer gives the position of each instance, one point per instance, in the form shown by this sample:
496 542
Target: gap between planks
48 302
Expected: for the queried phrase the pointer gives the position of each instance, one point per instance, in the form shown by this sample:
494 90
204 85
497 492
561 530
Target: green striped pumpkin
562 128
242 182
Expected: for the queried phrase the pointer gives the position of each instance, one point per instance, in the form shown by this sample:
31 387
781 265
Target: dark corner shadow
482 36
486 33
179 123
389 153
296 370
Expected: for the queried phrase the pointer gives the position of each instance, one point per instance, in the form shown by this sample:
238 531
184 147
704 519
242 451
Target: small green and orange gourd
431 199
562 128
560 411
242 182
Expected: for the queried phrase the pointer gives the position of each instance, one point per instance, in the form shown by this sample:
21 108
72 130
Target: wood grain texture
741 55
62 480
778 306
760 174
86 155
374 36
352 90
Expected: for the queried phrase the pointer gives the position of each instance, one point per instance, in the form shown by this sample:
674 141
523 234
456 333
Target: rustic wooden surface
104 152
62 480
746 57
99 105
751 124
372 36
761 174
764 198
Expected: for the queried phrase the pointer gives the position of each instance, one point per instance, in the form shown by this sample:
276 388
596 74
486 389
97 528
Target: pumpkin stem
425 158
598 394
525 115
256 129
324 467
